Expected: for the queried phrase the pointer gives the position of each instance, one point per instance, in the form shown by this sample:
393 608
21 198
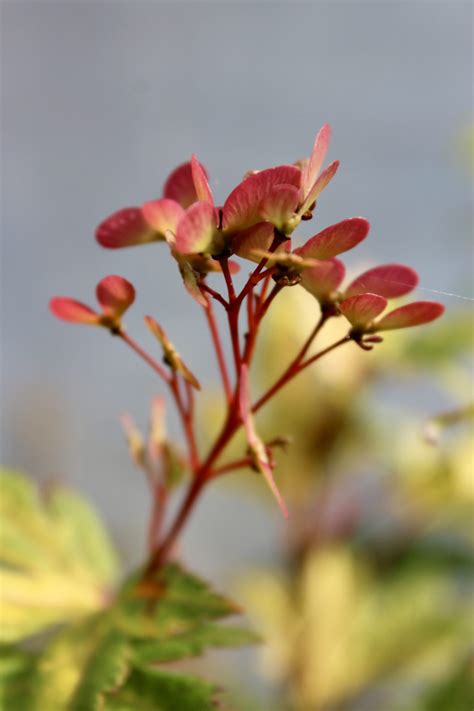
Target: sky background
102 99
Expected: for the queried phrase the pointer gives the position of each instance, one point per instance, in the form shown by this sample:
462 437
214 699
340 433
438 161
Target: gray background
102 99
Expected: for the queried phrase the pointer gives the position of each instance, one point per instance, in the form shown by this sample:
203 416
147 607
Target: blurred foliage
56 562
371 605
68 640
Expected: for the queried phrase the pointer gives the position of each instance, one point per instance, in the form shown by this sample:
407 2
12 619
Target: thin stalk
203 475
215 294
159 505
256 275
190 398
266 304
319 355
216 340
232 312
299 356
250 310
252 281
224 262
252 335
291 372
187 422
172 381
161 553
265 285
232 466
146 356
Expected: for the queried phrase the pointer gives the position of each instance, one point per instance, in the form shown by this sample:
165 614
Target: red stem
237 464
200 480
232 312
252 335
224 262
158 510
250 310
293 370
186 417
266 304
215 294
300 355
264 290
211 320
205 473
319 355
146 357
252 281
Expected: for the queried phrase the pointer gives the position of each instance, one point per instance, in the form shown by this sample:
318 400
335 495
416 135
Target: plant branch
215 294
313 359
202 476
145 356
205 472
265 285
160 496
237 464
266 304
211 320
293 366
252 281
224 262
186 416
293 370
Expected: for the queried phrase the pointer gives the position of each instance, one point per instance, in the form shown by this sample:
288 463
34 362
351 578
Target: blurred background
100 101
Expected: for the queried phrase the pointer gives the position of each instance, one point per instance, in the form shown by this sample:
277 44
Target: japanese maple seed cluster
256 223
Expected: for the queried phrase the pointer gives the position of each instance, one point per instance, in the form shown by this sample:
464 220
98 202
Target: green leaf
56 562
16 667
60 668
108 659
456 691
173 602
157 690
56 566
192 643
83 534
106 671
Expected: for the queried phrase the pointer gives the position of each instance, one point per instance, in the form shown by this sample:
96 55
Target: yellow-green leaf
56 561
157 690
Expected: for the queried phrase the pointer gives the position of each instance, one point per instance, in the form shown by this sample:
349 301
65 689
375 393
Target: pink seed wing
242 207
74 311
196 229
321 183
180 185
316 160
360 310
125 228
163 215
115 294
414 314
259 237
389 280
324 278
201 184
336 239
279 204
